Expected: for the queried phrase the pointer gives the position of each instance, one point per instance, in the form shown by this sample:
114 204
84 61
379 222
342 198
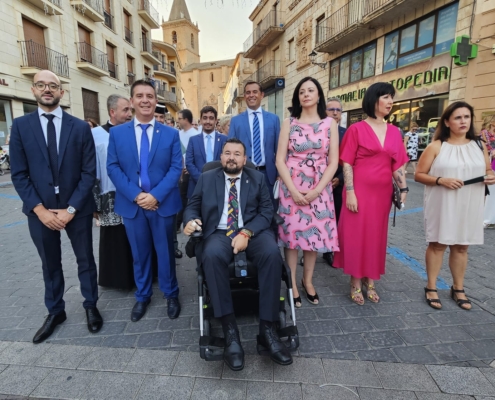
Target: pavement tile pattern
401 328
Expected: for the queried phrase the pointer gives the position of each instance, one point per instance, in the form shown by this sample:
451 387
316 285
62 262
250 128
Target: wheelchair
242 282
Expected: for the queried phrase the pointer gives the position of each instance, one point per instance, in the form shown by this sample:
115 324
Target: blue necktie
256 140
143 159
209 151
51 143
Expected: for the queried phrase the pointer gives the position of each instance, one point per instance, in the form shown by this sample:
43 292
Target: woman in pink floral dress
307 157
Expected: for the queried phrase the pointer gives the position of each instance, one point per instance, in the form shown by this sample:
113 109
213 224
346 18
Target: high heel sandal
432 301
369 288
357 296
297 302
313 299
459 302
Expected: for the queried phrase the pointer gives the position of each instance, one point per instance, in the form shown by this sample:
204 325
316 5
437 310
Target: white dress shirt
205 140
57 121
139 132
223 220
259 114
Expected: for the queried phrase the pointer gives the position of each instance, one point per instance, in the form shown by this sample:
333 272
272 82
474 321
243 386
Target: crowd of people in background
333 187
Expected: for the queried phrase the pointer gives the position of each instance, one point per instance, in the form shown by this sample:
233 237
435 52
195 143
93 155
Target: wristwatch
71 210
404 190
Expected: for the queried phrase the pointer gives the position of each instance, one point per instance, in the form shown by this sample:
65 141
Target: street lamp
312 58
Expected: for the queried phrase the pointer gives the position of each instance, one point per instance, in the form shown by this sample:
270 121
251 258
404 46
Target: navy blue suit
32 178
337 192
196 157
145 227
240 129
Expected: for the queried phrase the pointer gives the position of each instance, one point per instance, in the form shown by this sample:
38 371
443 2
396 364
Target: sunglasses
334 109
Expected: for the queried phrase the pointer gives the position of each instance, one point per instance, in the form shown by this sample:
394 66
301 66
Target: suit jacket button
138 172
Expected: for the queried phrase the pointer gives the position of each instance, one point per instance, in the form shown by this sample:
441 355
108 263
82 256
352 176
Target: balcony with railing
131 77
50 7
36 57
267 74
92 9
166 70
148 13
109 20
128 35
147 51
269 29
90 59
170 99
113 70
356 18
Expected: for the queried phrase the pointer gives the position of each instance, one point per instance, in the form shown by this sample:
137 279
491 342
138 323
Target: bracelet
436 182
404 190
244 234
247 233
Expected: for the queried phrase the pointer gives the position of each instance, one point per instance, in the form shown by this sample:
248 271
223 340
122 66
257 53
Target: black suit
207 204
337 191
33 180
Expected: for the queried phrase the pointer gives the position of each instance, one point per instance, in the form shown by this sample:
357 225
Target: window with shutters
112 67
34 36
131 77
90 105
127 27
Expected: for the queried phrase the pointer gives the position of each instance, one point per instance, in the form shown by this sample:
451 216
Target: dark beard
53 102
233 171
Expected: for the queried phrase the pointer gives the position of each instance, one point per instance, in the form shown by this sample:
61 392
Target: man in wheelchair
231 205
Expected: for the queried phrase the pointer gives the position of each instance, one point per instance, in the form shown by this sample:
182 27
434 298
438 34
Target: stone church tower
182 33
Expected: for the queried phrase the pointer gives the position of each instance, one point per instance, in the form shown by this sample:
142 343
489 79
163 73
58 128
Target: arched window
211 76
192 40
174 37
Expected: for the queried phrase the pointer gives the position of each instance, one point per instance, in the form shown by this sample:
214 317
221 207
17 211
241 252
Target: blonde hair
224 121
487 121
414 125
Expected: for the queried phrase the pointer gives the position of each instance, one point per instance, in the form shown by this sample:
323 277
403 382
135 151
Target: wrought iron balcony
269 28
170 99
160 91
50 7
109 20
91 59
91 8
267 74
128 35
166 70
113 70
147 51
148 13
350 22
36 57
131 77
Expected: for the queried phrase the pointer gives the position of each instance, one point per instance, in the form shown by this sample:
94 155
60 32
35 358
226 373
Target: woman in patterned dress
307 158
411 142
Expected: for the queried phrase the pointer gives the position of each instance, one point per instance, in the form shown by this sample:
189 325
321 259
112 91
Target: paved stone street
397 349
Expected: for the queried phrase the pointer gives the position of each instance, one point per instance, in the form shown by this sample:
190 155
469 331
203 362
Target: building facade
233 100
96 47
359 42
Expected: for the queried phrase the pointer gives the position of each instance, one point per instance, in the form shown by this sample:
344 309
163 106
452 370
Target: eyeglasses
41 86
334 109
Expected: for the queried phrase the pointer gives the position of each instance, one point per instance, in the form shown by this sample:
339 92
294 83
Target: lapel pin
157 131
247 180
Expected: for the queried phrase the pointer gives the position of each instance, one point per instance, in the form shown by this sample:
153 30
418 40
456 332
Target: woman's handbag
396 198
276 189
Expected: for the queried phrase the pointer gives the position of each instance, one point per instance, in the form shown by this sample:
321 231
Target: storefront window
29 108
416 41
334 74
5 121
344 70
353 67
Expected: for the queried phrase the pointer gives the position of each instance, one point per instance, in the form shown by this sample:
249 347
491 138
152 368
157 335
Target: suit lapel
157 133
245 185
247 140
218 146
35 123
131 133
265 123
65 133
201 141
220 187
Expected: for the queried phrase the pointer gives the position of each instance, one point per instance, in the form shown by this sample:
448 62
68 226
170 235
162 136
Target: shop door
35 49
90 105
85 44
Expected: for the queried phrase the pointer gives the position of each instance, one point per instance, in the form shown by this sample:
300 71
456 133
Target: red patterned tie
233 210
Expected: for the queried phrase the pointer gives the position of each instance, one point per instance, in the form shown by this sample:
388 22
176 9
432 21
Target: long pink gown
363 235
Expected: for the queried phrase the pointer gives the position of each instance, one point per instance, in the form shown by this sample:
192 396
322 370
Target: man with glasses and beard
233 208
53 170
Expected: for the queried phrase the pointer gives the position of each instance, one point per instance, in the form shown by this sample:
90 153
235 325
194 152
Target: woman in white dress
453 210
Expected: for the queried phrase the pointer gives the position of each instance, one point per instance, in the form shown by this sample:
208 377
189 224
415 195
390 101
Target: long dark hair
442 132
296 104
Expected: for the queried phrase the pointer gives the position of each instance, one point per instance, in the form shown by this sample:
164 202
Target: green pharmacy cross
461 50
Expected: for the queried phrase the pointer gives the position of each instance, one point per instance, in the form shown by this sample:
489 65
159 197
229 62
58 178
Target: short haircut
207 109
442 132
187 114
234 141
253 83
373 94
296 104
336 99
142 82
112 101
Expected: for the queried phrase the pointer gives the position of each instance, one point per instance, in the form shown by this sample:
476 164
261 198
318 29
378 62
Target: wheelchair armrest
278 219
197 235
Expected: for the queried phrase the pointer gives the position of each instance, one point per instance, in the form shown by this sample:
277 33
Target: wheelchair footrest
211 348
288 331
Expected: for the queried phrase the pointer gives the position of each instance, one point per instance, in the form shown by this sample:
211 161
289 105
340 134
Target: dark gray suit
207 204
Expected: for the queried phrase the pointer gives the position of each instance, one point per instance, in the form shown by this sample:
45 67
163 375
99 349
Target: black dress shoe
233 354
270 340
328 257
178 253
173 308
48 326
139 310
95 321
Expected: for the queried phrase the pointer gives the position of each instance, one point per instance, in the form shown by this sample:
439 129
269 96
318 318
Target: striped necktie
256 139
233 210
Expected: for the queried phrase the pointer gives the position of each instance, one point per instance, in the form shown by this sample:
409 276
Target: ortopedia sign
419 80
